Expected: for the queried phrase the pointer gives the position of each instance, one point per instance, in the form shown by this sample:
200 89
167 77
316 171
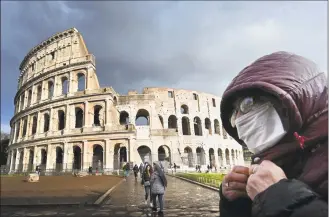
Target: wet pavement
181 199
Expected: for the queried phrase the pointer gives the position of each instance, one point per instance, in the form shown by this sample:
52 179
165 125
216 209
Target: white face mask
260 128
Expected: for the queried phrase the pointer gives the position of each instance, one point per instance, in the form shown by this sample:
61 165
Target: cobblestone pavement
181 199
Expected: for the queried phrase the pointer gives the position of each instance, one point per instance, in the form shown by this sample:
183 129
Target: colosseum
65 121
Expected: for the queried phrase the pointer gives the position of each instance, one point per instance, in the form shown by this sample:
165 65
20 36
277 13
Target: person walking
175 166
126 169
135 169
277 107
158 187
141 166
146 176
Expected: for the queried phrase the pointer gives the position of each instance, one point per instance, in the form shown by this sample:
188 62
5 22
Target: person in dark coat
278 108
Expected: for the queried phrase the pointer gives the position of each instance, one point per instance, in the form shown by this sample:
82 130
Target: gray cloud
193 45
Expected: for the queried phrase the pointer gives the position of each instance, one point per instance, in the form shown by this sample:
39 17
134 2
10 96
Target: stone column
108 104
70 83
15 132
108 155
224 157
131 148
33 95
51 118
35 156
25 166
43 92
38 123
86 115
216 159
88 74
85 159
17 159
66 156
56 92
11 161
230 158
49 163
29 127
67 118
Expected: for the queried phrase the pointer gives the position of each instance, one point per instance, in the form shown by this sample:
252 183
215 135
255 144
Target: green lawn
212 179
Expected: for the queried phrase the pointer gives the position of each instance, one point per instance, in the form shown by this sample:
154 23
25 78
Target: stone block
32 177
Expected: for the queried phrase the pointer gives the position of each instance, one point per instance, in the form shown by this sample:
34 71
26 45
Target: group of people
154 181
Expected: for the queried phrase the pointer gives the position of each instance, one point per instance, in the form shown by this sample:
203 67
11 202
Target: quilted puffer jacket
301 88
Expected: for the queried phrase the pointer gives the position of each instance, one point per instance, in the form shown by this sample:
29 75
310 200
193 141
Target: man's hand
234 183
263 176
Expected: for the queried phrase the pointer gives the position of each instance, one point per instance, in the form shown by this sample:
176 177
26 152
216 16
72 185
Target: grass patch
211 179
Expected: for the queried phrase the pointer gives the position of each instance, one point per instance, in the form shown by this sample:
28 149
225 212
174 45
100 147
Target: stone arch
14 160
124 118
233 156
220 157
30 162
200 153
29 97
115 100
44 156
50 88
172 122
64 85
212 161
217 127
227 156
224 133
21 159
189 156
59 159
24 127
207 124
98 115
164 154
39 93
184 109
120 156
142 117
186 126
197 126
78 117
98 157
46 120
161 120
77 156
81 78
61 119
22 101
34 124
145 153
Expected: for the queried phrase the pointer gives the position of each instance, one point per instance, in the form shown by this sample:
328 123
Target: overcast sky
190 45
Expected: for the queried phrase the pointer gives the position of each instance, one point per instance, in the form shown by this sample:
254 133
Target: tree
4 135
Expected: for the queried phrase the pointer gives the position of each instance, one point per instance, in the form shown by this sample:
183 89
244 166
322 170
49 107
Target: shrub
211 179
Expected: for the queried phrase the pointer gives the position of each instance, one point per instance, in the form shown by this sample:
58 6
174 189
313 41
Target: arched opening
227 156
46 122
207 124
184 109
59 159
14 161
115 100
50 89
197 126
224 133
97 110
142 117
233 156
188 156
31 156
64 85
124 118
164 155
81 82
76 157
39 92
236 157
22 101
18 127
24 127
34 125
120 156
43 159
145 153
186 126
29 97
220 157
172 122
212 157
21 158
161 120
98 157
217 127
78 117
61 120
200 156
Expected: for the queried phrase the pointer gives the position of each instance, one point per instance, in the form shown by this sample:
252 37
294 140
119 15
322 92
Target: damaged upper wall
60 50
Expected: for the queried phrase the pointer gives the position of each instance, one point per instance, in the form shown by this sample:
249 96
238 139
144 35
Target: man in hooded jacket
278 108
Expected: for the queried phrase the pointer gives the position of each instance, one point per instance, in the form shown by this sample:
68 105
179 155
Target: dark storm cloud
193 45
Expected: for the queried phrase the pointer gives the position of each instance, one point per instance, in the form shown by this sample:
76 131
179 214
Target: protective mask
261 128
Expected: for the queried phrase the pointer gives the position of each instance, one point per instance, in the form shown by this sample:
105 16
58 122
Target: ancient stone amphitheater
64 120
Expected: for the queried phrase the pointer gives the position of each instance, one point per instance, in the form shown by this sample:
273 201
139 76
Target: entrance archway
211 157
189 153
76 158
59 159
21 158
200 156
145 154
97 157
31 156
164 154
227 155
120 156
220 157
43 159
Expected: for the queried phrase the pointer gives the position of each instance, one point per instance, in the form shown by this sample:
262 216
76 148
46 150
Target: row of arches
143 118
48 90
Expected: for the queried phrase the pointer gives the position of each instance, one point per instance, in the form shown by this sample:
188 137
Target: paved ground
181 199
55 189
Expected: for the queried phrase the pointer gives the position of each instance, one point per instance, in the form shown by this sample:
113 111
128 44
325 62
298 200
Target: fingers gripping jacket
282 199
